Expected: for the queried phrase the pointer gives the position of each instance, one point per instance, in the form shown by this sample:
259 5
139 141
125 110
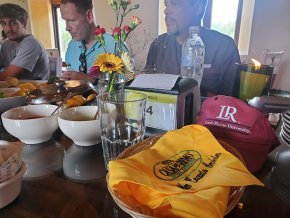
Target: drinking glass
122 121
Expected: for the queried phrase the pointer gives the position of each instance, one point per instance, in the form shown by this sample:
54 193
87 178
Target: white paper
155 81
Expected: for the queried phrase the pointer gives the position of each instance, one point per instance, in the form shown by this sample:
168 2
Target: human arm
74 75
151 57
20 59
11 71
228 70
222 54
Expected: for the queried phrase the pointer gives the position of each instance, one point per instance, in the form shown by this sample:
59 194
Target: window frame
54 8
207 18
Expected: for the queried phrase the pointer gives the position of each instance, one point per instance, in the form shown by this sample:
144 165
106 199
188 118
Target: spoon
96 116
69 95
60 84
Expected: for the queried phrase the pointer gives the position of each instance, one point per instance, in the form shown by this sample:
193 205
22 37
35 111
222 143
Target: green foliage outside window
226 28
64 36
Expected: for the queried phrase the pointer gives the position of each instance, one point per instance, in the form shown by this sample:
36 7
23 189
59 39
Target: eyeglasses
83 66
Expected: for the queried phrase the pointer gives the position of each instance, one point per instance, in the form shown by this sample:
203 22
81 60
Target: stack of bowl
12 169
34 126
82 126
285 128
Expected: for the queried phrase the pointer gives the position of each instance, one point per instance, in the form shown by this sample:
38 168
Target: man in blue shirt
83 48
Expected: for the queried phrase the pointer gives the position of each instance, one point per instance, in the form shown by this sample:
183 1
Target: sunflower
109 62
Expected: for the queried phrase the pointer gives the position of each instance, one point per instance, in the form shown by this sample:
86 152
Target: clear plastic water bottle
192 59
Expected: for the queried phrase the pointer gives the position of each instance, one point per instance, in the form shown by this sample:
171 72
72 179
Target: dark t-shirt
220 52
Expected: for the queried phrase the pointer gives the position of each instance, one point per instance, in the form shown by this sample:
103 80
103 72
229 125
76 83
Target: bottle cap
194 29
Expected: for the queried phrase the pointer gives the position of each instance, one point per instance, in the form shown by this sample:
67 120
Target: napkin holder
169 109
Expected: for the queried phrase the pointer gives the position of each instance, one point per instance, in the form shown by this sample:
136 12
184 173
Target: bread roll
12 80
7 149
26 87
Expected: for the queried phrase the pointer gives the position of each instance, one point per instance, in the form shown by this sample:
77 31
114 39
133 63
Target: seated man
21 55
83 48
4 37
220 50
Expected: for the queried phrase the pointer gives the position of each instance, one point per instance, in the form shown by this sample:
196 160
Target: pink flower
135 22
125 32
116 33
94 71
127 29
100 31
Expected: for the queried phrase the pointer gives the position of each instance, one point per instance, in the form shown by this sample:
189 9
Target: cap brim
254 155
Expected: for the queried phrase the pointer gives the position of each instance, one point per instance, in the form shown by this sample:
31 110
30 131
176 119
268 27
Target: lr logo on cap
227 113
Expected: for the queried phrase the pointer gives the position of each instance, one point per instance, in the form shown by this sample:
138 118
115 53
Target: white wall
271 30
147 12
246 26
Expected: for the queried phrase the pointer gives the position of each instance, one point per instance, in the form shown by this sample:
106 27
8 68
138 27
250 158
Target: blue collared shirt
75 48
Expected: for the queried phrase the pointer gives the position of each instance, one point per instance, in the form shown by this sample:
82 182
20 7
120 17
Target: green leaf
52 79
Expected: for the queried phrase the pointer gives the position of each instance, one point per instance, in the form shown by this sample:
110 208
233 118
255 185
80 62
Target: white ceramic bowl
10 189
10 102
31 124
77 123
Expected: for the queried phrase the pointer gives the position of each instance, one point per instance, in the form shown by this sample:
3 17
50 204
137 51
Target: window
62 37
231 17
221 15
224 16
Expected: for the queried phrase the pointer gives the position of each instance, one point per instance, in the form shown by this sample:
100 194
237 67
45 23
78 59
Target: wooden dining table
53 194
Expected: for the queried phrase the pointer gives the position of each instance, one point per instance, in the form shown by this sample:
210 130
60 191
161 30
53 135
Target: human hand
74 75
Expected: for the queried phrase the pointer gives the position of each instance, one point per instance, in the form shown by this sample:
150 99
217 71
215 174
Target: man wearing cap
221 52
22 55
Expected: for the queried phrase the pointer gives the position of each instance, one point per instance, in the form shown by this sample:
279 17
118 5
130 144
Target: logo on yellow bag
179 166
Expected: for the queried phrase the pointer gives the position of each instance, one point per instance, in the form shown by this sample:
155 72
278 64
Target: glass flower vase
103 83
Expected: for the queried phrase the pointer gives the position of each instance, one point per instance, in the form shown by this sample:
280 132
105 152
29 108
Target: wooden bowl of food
138 210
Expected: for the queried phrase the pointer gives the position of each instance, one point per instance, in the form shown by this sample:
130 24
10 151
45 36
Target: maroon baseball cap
241 125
